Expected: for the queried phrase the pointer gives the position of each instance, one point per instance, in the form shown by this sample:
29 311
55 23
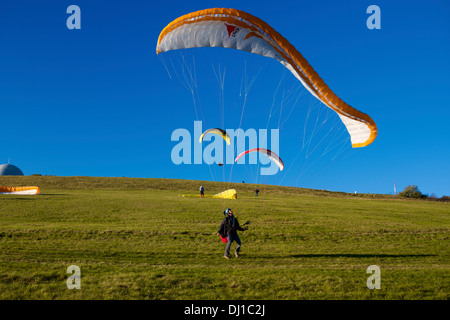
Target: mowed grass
139 239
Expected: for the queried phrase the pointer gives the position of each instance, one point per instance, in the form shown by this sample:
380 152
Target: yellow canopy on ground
227 194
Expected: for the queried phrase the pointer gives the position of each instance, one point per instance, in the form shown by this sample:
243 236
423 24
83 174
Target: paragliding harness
223 232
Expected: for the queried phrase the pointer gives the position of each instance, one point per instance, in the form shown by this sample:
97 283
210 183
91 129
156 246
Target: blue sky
99 101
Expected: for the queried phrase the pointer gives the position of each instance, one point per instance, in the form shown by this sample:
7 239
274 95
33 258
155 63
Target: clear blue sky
99 101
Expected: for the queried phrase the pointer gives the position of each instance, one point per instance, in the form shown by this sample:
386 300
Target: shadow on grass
350 255
31 197
15 198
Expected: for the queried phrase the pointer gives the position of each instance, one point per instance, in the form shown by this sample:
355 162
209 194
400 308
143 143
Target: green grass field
139 239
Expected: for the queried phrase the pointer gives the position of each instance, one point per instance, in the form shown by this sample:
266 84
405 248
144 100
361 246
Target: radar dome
10 170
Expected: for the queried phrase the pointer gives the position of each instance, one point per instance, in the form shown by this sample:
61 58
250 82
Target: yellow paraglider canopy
219 132
227 194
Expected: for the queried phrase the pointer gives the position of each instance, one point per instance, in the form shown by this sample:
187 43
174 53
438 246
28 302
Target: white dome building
10 170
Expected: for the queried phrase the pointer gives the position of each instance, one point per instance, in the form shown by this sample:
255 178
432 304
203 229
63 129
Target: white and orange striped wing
235 29
20 190
219 132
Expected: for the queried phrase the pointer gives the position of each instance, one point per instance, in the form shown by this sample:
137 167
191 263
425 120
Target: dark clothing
229 226
230 239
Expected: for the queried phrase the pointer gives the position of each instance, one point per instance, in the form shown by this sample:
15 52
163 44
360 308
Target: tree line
412 191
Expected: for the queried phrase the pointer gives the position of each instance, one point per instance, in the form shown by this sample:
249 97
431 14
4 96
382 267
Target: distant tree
412 191
445 198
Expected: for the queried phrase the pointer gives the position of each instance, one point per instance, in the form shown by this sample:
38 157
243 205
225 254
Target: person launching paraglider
228 229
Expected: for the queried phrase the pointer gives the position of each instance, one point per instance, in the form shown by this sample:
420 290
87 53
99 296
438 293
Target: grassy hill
139 239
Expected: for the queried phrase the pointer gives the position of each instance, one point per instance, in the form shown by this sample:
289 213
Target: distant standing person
228 228
202 192
256 192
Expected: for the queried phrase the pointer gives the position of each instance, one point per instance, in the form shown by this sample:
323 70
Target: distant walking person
228 228
256 192
202 192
